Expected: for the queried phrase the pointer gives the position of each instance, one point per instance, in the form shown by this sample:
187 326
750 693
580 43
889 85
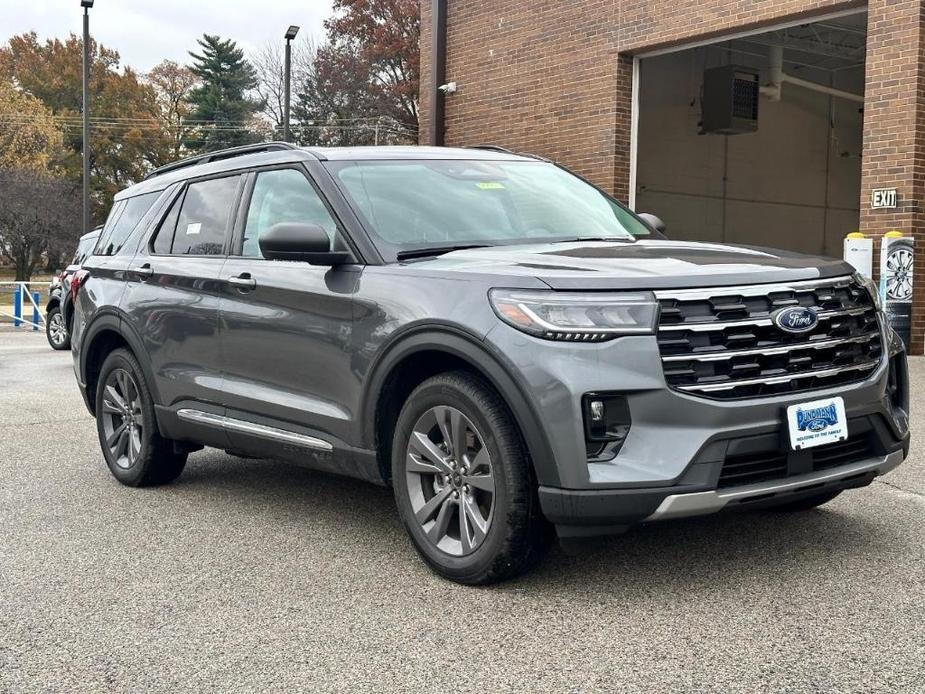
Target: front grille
850 450
774 464
722 343
752 468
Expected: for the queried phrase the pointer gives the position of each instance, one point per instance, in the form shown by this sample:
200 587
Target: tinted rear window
200 221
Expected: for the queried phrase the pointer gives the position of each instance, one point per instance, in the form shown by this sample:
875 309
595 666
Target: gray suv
506 345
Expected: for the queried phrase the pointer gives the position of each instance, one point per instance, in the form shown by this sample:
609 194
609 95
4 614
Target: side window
163 238
284 195
84 248
198 223
106 231
114 237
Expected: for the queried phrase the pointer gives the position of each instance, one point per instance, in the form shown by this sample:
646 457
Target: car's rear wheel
59 337
809 502
463 482
135 451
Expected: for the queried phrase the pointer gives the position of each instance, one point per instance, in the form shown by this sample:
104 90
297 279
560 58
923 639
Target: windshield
415 204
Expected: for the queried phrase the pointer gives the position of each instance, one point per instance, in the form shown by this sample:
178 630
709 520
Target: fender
113 320
487 362
53 302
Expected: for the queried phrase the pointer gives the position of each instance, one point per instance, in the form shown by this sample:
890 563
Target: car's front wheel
135 451
59 337
463 482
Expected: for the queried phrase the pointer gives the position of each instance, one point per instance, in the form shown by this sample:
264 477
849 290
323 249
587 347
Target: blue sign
817 418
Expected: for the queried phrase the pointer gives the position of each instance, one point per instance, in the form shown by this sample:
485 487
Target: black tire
807 503
155 461
56 331
516 531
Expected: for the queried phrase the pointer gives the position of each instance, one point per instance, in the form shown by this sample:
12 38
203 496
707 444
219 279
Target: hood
639 265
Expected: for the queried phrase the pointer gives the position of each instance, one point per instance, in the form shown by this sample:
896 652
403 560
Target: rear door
173 297
286 327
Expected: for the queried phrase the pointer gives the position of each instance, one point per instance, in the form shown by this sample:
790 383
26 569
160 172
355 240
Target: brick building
615 90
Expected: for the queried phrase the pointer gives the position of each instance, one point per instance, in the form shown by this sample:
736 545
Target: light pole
86 4
289 35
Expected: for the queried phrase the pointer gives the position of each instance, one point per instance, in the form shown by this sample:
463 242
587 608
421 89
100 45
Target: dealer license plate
817 423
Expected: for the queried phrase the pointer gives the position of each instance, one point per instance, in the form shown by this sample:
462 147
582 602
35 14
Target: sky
145 32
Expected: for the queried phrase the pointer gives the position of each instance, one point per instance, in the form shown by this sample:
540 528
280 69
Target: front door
286 329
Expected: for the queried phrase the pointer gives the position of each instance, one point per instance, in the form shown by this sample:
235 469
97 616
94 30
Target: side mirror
653 222
306 242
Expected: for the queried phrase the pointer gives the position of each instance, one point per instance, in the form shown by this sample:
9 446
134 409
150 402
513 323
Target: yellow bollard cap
856 235
893 234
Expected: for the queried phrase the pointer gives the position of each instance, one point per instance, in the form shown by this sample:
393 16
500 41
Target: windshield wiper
434 251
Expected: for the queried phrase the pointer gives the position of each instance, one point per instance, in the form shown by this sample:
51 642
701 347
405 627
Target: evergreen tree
220 104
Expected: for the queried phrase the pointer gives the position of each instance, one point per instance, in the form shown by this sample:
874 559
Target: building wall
894 132
533 76
555 77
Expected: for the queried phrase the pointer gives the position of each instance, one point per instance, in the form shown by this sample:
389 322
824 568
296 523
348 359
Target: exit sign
883 199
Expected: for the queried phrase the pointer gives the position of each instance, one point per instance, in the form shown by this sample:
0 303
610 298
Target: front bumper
671 463
587 513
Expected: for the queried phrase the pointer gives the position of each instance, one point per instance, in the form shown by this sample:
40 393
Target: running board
259 430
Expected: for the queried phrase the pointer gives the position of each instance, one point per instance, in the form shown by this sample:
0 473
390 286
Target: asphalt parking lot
259 576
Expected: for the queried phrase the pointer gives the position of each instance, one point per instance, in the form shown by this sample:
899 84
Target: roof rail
220 154
505 150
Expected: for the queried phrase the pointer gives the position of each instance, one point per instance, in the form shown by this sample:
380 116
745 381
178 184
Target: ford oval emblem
797 319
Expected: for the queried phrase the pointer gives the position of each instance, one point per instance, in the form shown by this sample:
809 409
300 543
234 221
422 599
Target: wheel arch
53 302
425 352
105 334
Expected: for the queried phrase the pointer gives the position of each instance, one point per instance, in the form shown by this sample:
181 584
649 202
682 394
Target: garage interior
790 178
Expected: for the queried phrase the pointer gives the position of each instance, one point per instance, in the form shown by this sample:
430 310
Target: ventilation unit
730 101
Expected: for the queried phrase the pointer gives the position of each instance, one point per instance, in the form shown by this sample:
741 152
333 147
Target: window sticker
193 228
490 185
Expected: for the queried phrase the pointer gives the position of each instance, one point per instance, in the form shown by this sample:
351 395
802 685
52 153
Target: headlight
872 288
576 317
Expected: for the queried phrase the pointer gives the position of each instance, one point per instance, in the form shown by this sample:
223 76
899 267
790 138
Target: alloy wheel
122 418
899 274
450 480
57 330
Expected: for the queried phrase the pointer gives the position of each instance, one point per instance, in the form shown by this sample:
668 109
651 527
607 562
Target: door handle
143 271
244 281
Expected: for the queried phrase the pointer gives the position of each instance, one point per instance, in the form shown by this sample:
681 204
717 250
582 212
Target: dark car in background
59 311
506 345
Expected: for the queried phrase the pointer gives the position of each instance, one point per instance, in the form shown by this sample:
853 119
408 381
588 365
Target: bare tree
38 213
269 62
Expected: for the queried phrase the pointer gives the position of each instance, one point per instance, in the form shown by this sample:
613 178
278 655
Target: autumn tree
29 137
364 78
220 104
172 84
126 136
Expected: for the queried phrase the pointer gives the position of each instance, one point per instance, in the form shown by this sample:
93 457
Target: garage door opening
756 140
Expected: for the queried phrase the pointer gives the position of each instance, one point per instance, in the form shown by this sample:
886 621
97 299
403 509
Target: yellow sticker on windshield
485 185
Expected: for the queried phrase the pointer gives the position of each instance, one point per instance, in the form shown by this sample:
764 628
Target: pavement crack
56 420
902 489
